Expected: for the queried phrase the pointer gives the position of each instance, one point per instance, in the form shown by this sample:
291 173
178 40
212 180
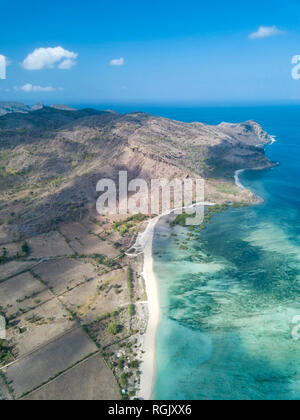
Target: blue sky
163 51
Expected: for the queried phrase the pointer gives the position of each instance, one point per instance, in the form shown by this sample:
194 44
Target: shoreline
237 178
149 361
237 173
144 245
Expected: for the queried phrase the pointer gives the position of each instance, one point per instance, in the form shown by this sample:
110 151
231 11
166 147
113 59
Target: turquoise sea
228 302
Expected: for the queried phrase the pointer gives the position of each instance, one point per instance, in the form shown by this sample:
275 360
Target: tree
25 248
113 328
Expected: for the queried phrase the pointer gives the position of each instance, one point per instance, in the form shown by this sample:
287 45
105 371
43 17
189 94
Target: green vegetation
5 352
113 328
180 220
124 227
6 383
103 260
209 212
117 289
238 205
73 315
5 258
131 309
117 245
25 249
33 319
108 315
227 189
135 364
123 380
130 279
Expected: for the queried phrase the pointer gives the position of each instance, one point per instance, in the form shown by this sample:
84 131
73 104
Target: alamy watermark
2 328
3 64
156 197
296 329
296 68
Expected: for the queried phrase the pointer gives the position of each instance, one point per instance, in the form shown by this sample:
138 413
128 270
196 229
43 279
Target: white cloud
67 64
117 62
266 32
8 61
42 58
28 88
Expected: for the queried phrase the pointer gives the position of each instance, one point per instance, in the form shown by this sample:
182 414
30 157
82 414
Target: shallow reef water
228 301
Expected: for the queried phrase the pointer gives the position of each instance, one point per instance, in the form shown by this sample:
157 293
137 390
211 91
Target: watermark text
296 329
2 328
296 68
2 67
155 197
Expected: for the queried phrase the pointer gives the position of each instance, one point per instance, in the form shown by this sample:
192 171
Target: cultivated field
47 362
98 296
88 239
14 267
89 380
69 303
4 394
49 245
21 293
39 326
64 274
91 244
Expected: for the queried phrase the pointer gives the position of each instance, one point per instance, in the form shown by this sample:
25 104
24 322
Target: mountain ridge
9 107
52 159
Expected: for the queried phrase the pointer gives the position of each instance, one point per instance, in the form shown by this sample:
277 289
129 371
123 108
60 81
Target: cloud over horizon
42 58
117 62
266 32
28 88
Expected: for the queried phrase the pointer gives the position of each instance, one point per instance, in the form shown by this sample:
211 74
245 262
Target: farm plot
110 328
5 236
38 327
49 245
91 244
21 293
98 296
73 231
11 250
4 394
13 268
93 228
49 361
89 380
64 274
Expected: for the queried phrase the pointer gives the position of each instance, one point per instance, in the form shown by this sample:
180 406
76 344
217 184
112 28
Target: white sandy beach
240 171
237 178
148 364
144 245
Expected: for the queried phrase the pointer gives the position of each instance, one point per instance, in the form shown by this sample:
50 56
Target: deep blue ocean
228 302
